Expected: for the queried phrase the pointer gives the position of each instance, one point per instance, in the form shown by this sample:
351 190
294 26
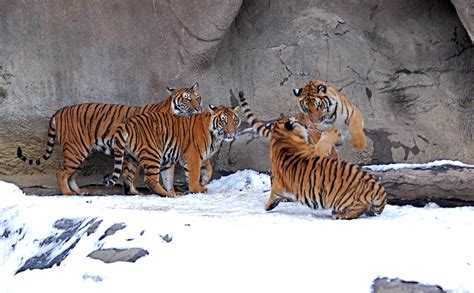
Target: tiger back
157 140
80 129
327 107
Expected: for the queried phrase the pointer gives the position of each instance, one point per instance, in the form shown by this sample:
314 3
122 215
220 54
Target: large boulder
408 66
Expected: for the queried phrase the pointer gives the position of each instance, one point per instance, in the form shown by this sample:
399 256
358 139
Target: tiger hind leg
71 167
353 212
64 175
130 175
73 185
152 173
356 130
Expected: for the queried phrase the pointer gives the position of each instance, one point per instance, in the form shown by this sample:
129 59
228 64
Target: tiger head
186 101
289 129
225 122
332 136
314 100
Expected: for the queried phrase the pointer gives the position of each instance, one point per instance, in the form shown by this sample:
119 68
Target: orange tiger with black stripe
327 107
156 140
318 182
80 129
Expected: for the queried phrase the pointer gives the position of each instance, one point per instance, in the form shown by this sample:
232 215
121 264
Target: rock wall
407 65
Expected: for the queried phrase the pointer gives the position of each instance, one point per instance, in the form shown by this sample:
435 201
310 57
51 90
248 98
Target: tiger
327 107
157 140
298 174
83 128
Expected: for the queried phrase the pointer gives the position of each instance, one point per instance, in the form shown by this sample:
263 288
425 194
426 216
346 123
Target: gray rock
385 285
408 66
112 229
68 228
110 255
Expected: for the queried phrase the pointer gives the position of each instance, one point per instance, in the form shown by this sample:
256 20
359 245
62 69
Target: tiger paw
198 190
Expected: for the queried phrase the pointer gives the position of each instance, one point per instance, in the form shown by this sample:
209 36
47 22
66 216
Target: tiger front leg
206 172
356 130
193 172
275 198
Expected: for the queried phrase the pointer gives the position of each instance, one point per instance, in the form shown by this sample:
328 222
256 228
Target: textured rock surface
385 285
69 233
110 255
408 65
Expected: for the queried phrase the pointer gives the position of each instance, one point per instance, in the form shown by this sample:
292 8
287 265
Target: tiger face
186 101
289 128
314 100
225 122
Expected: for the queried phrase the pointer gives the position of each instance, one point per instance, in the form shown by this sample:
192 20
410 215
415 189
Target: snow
439 163
224 241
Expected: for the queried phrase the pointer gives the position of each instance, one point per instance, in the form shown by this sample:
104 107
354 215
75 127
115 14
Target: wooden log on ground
447 186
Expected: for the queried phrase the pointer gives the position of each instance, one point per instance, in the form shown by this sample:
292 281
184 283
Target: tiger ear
170 89
268 125
212 108
322 89
195 86
289 125
236 108
297 92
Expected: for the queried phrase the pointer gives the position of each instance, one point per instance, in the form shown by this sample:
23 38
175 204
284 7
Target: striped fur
300 173
81 129
314 134
157 140
327 107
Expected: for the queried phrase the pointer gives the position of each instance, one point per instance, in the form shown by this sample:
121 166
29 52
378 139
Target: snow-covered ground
224 241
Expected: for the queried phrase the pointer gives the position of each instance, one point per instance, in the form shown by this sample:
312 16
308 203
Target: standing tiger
318 182
157 140
327 107
83 128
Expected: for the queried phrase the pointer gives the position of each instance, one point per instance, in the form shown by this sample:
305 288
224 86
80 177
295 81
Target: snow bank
224 241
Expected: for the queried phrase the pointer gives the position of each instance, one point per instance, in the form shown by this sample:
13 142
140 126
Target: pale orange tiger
158 140
81 129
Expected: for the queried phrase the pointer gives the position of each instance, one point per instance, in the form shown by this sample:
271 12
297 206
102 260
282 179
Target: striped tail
49 148
257 125
118 143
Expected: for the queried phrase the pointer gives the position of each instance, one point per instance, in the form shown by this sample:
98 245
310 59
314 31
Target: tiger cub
327 107
83 128
318 182
157 140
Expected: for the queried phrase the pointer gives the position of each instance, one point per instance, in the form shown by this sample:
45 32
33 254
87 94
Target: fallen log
447 186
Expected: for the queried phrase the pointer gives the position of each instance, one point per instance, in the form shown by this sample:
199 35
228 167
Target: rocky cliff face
407 65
